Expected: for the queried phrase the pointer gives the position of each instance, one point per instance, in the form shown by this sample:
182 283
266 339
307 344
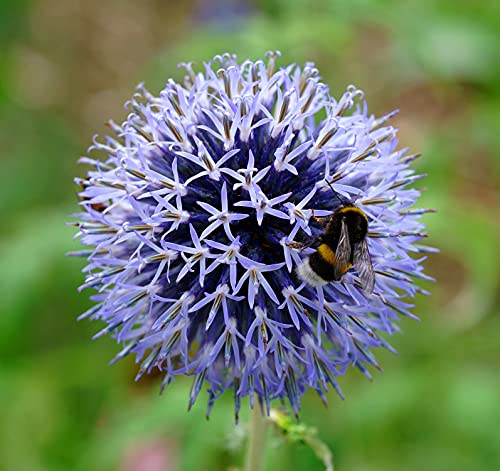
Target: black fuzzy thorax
321 267
357 227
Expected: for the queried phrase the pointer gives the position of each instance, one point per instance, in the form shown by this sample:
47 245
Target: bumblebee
342 245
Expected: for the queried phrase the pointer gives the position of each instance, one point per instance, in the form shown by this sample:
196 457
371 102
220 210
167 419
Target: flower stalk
257 440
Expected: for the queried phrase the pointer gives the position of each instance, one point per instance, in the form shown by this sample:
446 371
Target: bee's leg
322 221
302 245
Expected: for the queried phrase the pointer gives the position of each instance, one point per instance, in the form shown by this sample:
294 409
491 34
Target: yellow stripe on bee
354 209
327 254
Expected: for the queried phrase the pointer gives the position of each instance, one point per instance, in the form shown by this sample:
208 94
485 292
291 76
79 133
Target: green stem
256 450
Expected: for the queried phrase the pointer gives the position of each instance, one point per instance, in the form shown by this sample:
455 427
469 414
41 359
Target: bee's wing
342 253
363 264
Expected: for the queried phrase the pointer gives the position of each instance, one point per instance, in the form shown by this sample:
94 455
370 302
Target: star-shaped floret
290 254
225 126
229 256
219 298
263 205
254 274
168 187
295 303
248 111
170 213
246 178
228 339
285 155
300 216
220 217
204 160
161 254
199 254
269 331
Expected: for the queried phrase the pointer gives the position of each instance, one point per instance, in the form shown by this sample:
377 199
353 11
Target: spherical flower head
200 213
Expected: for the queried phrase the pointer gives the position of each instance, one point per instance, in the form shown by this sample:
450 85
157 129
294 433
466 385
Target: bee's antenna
342 200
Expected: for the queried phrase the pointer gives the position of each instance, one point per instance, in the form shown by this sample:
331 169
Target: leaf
301 433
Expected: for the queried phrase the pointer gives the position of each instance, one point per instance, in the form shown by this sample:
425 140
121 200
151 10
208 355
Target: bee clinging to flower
341 245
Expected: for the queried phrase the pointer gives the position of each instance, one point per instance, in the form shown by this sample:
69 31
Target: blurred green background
68 66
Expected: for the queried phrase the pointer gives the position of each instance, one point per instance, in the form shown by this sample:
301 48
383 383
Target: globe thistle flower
194 213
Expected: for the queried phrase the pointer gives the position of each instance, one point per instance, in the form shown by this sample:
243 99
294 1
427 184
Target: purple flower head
193 219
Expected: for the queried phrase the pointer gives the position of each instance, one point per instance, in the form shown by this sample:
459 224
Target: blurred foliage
65 67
